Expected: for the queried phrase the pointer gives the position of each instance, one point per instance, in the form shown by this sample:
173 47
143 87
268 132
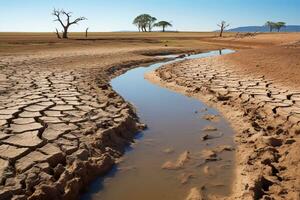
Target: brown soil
61 124
256 90
280 63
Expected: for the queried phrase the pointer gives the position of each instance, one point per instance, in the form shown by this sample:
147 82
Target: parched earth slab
26 139
265 117
11 152
55 127
20 128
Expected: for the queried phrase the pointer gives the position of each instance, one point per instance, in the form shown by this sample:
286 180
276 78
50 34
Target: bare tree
222 26
57 34
67 15
86 32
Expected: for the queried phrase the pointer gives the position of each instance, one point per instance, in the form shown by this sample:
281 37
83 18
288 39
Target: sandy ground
62 124
257 91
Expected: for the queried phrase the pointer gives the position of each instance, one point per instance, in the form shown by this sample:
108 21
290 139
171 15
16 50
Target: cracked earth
265 115
59 129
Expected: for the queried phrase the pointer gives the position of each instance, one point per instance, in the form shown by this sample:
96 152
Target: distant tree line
146 22
275 25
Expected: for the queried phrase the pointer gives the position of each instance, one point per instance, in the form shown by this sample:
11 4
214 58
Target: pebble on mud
209 128
168 150
209 155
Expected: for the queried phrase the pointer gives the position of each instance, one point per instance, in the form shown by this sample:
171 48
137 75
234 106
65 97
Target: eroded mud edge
266 140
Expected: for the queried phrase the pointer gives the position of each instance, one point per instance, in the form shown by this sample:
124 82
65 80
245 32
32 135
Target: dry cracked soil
62 125
266 117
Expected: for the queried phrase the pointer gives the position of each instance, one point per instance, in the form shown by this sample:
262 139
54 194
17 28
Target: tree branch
57 14
77 20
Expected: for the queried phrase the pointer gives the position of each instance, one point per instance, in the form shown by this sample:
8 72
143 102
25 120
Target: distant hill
289 28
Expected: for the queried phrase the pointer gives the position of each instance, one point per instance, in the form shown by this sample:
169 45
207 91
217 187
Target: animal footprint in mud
182 159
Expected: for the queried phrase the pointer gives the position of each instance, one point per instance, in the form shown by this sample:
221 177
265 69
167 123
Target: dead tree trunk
86 32
65 32
58 14
57 34
222 26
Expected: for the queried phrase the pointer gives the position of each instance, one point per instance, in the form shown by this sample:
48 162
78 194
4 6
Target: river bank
263 113
186 145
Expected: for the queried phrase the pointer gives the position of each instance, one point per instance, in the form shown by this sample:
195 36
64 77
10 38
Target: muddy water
175 123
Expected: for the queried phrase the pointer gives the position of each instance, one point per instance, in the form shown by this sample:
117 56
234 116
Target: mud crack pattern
59 129
268 146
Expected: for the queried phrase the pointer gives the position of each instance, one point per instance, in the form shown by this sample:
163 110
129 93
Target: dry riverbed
264 114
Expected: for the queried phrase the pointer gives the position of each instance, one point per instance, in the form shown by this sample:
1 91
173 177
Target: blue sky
115 15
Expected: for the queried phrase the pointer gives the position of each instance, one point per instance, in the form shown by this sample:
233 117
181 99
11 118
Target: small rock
211 136
222 148
168 150
209 155
209 128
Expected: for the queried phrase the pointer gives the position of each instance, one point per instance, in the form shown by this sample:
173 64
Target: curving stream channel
175 124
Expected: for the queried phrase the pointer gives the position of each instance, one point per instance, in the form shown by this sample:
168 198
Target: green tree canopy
163 24
279 25
275 25
271 25
144 21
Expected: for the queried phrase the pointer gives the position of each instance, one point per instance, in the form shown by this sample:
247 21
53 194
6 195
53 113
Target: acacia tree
61 16
271 25
144 21
137 22
279 25
163 24
151 23
223 25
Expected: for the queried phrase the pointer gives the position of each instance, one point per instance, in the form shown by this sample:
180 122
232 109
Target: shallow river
174 125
